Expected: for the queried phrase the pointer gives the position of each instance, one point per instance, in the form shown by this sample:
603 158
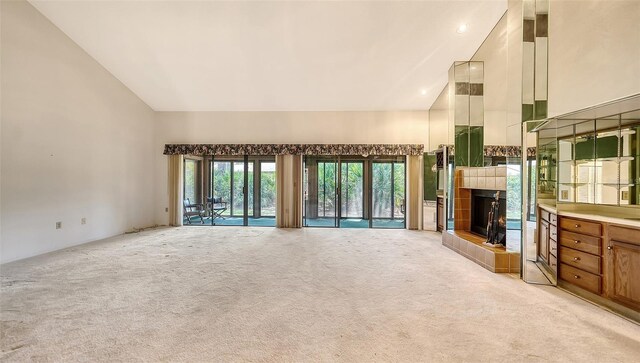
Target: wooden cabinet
592 257
580 253
547 240
441 216
623 265
581 278
543 241
581 226
581 242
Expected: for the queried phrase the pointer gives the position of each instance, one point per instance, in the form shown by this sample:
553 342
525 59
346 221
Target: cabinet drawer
580 278
581 260
583 227
553 219
544 215
581 242
553 247
553 232
624 234
553 263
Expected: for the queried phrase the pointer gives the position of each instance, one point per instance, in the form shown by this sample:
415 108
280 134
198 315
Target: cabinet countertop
618 218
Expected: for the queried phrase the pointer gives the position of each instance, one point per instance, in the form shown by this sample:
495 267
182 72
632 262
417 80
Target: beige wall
440 131
402 127
594 53
76 143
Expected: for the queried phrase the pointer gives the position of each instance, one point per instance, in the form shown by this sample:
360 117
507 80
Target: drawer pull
576 241
576 259
576 277
577 225
609 248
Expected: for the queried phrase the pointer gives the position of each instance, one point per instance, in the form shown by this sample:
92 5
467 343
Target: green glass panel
527 112
476 146
430 175
607 147
541 110
585 149
461 156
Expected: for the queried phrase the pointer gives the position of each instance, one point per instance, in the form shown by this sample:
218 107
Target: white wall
440 132
75 142
402 127
594 53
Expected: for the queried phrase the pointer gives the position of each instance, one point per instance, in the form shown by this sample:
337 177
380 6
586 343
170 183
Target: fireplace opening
481 206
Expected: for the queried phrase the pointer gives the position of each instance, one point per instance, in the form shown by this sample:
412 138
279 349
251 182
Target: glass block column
466 112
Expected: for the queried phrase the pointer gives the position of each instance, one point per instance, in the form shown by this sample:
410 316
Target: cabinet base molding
600 301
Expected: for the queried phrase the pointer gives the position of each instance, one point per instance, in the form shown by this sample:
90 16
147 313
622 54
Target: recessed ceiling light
462 28
423 92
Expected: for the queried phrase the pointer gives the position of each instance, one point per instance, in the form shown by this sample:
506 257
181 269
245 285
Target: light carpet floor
264 294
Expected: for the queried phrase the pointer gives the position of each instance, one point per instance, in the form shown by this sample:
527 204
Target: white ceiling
278 56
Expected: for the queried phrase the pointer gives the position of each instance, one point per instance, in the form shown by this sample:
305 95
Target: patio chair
216 207
193 210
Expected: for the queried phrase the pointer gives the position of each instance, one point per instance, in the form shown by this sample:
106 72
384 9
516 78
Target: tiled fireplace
479 184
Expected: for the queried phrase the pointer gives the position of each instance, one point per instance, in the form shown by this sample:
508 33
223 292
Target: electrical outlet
83 221
166 209
58 225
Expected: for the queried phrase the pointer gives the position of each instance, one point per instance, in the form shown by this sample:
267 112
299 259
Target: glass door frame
256 161
367 186
325 159
234 160
365 191
388 160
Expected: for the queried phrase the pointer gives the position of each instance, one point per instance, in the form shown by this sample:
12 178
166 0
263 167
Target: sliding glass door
320 192
261 184
346 191
352 206
354 192
242 191
388 194
226 196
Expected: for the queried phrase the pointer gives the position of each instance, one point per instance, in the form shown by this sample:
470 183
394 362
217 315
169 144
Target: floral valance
294 149
499 150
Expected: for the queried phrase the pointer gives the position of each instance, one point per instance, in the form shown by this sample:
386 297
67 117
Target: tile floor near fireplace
466 239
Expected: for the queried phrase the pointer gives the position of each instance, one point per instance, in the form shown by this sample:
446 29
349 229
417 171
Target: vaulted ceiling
278 56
